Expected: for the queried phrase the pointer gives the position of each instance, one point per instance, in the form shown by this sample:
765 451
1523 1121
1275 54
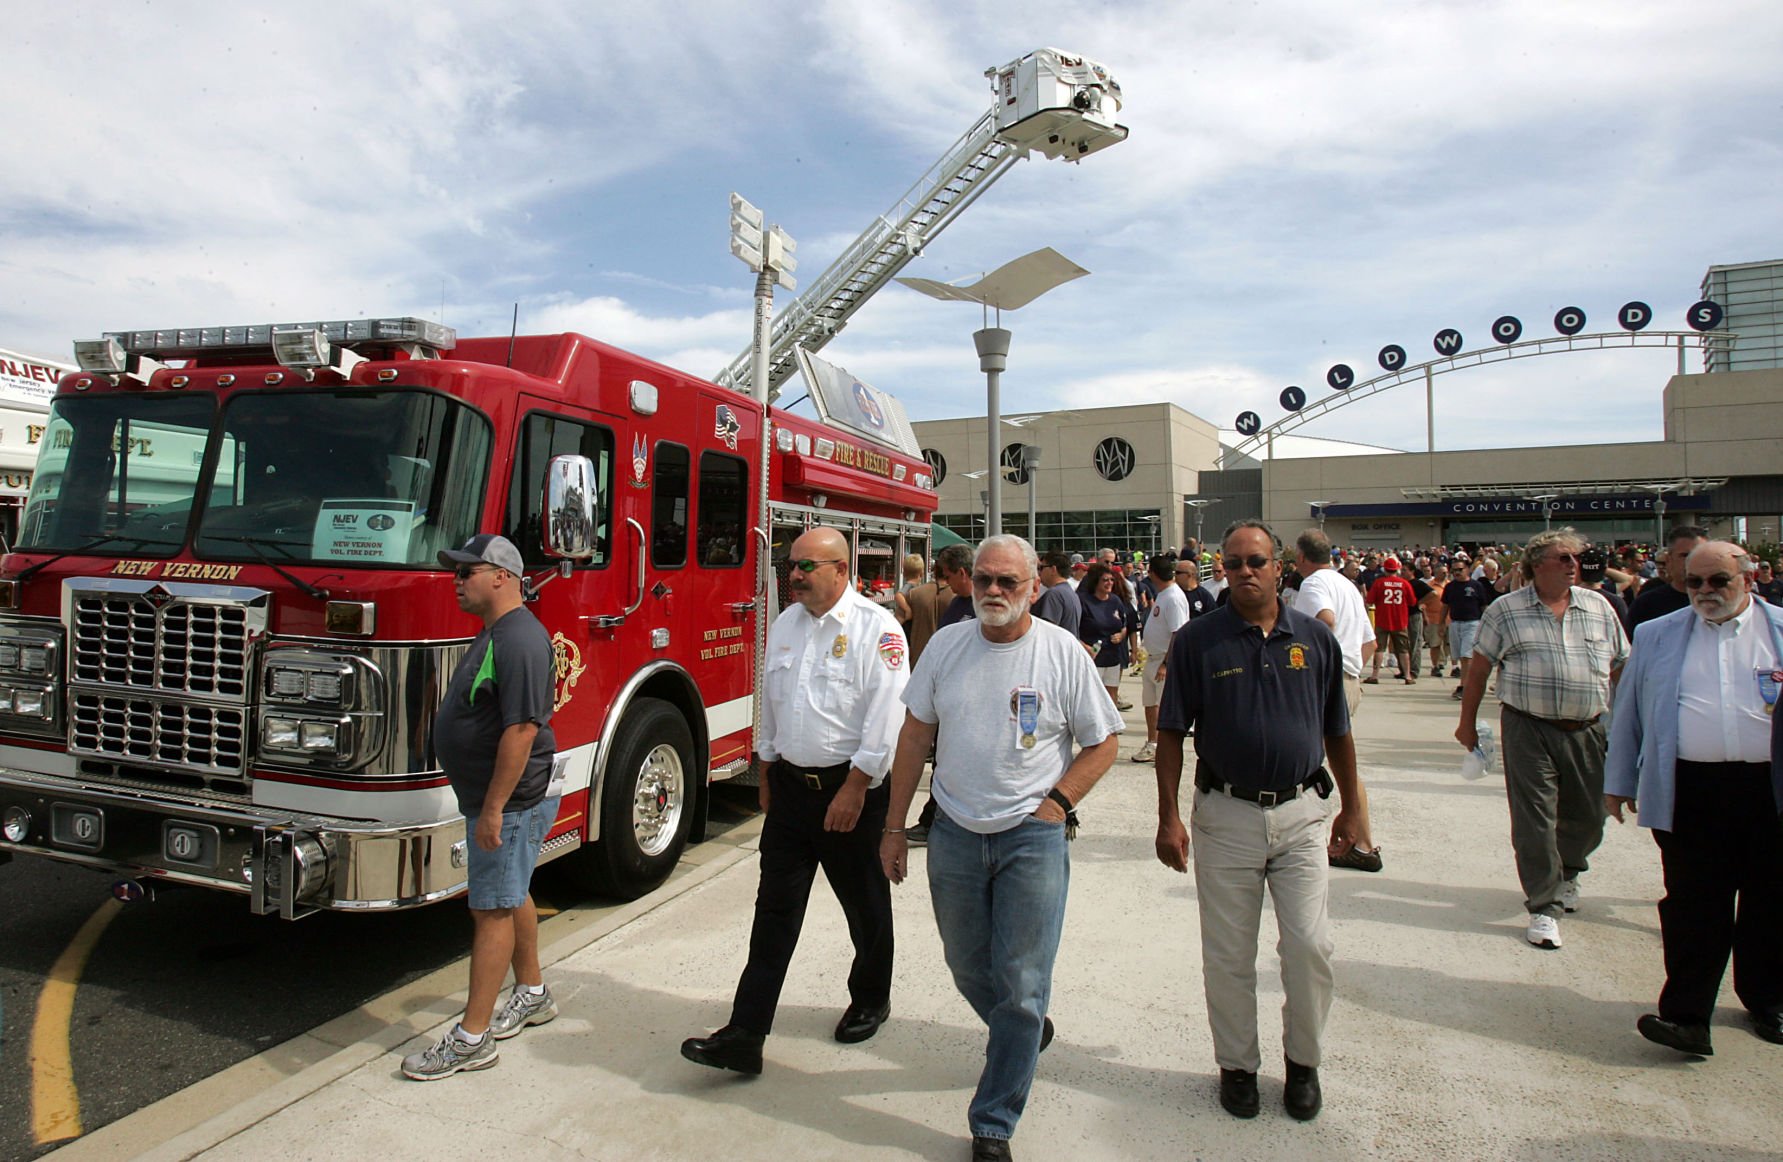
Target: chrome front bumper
288 865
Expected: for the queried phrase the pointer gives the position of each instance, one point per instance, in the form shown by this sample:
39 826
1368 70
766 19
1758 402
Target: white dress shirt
833 688
1721 714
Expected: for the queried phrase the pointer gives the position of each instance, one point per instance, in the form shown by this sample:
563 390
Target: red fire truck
224 634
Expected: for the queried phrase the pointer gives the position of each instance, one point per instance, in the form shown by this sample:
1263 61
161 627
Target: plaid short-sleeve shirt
1553 667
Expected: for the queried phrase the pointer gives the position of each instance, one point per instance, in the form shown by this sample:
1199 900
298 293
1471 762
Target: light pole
1547 500
1030 464
1010 287
1319 507
1659 491
1200 507
1156 522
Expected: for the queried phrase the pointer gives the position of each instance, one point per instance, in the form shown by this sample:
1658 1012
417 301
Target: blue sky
1305 182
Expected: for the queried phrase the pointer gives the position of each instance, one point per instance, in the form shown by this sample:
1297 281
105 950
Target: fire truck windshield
373 478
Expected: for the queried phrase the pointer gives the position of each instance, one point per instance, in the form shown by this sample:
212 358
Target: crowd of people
999 671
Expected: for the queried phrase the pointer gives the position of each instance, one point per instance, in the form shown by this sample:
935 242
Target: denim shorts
501 878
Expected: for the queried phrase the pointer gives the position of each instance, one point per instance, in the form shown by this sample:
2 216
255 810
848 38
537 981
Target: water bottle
1479 760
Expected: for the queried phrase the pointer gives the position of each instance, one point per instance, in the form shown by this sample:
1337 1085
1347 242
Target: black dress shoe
1238 1093
1769 1026
1301 1095
729 1048
857 1023
1046 1032
990 1149
1685 1038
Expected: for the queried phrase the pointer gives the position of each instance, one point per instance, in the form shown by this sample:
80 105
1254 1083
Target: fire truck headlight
34 659
17 825
29 702
9 657
6 699
323 736
29 650
280 733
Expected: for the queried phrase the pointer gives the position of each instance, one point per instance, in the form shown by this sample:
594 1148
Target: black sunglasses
1253 562
1718 581
1004 582
807 565
466 572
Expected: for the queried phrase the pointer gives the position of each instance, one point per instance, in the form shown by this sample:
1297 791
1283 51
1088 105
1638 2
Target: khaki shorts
1436 637
1394 641
1151 690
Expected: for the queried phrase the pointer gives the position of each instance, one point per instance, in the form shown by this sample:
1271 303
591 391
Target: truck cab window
543 436
724 507
668 507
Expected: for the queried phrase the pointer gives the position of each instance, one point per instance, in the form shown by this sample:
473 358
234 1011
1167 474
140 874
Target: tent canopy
940 538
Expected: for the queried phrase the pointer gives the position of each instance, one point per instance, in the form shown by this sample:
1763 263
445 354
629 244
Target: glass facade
1079 531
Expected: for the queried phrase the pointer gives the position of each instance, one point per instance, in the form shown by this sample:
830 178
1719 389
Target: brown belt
1570 725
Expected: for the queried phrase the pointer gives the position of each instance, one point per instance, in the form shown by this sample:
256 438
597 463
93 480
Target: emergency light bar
425 339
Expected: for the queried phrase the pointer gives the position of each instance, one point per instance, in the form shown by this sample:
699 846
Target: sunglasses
1718 581
1573 557
1254 562
1003 582
809 566
466 572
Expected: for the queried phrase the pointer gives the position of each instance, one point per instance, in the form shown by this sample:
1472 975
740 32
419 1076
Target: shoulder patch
891 650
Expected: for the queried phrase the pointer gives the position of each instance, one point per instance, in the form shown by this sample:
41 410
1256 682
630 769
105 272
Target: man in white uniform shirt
1169 612
835 670
1691 752
1004 697
1334 599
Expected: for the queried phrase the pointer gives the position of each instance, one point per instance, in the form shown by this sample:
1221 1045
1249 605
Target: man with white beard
1014 694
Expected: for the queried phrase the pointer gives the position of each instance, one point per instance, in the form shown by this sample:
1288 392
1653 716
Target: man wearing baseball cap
493 738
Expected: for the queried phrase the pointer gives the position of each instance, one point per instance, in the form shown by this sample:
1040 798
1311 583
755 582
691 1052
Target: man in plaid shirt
1558 646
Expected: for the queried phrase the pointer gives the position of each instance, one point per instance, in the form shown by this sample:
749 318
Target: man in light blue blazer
1695 750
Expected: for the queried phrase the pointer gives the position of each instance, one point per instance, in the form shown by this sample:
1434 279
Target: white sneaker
1544 930
1145 754
1569 895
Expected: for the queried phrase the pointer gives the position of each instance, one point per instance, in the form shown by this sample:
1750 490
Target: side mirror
567 530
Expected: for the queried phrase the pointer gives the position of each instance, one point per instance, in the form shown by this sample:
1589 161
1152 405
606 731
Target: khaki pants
1239 848
1352 694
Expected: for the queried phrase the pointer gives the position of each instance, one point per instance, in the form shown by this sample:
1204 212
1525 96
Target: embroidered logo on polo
1296 657
891 650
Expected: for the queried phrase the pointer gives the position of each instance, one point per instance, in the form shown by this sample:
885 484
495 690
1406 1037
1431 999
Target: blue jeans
502 878
1000 905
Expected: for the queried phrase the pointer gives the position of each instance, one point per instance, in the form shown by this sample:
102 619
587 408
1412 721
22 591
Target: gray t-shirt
977 691
504 679
1059 604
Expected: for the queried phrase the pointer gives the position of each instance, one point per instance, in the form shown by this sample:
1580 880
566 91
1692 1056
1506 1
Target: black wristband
1058 797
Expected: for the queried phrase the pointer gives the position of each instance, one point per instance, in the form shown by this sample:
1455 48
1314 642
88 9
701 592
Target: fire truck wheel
646 805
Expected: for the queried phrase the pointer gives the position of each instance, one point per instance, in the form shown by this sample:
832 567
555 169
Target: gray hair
1010 541
1250 523
1543 542
1315 546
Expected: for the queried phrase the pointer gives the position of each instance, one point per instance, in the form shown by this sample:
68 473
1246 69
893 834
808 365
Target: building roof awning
1680 487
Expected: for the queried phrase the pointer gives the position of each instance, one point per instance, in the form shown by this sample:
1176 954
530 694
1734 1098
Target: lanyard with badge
1769 683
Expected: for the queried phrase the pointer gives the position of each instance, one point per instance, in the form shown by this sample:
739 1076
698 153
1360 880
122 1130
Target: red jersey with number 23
1392 598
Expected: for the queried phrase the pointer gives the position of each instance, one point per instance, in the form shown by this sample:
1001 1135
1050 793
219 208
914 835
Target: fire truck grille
209 741
183 647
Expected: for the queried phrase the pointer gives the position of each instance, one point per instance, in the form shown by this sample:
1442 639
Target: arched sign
1447 341
1293 398
1569 320
1340 376
1248 423
1635 315
1507 328
1391 357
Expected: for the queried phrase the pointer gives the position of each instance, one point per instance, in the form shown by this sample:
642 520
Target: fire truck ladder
975 161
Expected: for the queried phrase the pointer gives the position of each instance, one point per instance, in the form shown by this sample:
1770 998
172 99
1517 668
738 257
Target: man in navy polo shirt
1259 810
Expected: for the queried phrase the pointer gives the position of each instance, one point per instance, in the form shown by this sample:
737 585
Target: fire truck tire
646 804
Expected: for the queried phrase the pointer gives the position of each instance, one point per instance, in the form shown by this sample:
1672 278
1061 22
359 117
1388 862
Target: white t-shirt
985 779
1169 613
1214 585
1329 589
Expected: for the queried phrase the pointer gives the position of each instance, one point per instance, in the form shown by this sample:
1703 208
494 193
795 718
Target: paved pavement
1450 1037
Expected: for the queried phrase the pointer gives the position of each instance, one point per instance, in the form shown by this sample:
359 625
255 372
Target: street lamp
1010 287
1154 520
1200 507
1547 500
1659 491
1319 507
1029 462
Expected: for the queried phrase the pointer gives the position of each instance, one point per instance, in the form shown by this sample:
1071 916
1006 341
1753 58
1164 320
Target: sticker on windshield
363 530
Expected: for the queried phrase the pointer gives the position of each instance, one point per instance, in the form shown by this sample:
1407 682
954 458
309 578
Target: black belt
817 778
1570 725
1318 781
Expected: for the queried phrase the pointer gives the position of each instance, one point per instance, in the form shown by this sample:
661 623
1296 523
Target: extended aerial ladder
1061 105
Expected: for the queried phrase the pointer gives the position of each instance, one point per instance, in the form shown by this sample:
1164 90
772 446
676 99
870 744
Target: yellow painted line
55 1102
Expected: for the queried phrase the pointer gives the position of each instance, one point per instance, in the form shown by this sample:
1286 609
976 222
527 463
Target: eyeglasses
1005 583
1254 562
1718 581
466 572
807 565
1573 557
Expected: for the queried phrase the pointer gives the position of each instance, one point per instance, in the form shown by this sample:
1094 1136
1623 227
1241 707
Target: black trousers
1723 861
793 846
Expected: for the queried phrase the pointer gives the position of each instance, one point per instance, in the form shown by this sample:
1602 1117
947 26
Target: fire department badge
566 668
1296 657
839 647
891 650
640 460
725 426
